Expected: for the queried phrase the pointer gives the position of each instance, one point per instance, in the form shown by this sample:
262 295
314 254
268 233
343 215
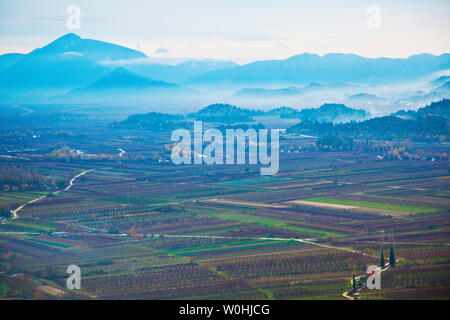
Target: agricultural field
231 158
152 230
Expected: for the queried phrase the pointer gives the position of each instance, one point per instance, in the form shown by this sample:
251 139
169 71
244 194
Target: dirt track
324 205
51 290
15 211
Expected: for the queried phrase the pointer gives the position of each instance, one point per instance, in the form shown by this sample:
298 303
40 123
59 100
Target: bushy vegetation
20 178
389 128
225 113
5 211
331 142
332 113
329 112
153 121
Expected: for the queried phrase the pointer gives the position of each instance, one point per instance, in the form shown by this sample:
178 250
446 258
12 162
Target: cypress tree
354 284
382 260
392 257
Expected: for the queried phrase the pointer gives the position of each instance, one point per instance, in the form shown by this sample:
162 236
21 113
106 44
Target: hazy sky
239 30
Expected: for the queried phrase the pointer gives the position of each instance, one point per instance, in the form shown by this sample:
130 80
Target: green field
275 223
51 243
374 205
26 226
19 197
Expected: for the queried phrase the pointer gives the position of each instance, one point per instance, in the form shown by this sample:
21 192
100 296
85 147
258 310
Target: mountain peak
121 72
63 44
92 49
68 40
305 55
69 36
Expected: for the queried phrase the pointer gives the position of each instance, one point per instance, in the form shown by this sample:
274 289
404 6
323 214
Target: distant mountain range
75 65
363 96
435 109
365 99
122 79
289 91
121 83
333 67
173 73
445 88
266 93
9 59
87 67
440 81
92 49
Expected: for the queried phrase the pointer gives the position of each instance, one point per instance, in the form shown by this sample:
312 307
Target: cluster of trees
5 211
333 142
391 258
225 113
20 178
395 150
15 178
356 284
330 112
153 121
431 128
65 153
402 154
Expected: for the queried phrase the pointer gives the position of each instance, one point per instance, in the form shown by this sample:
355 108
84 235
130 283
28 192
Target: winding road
75 178
16 211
